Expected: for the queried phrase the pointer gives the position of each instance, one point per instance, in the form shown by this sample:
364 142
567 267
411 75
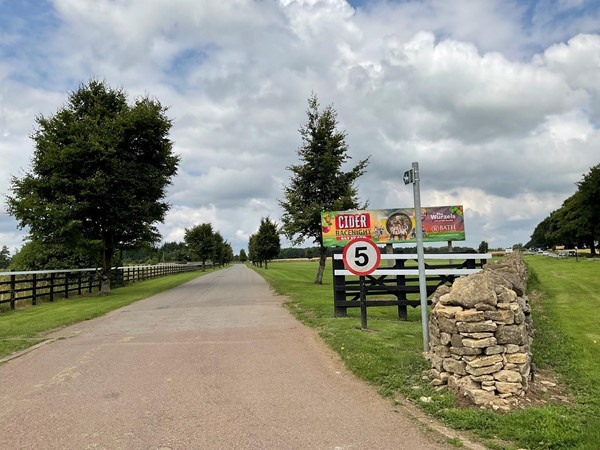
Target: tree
589 190
99 175
243 256
4 257
37 255
483 247
318 183
223 253
200 240
253 254
267 241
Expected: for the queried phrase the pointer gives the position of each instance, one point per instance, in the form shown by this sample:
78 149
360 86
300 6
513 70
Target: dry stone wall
480 334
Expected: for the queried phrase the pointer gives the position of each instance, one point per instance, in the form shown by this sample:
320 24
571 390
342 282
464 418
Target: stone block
476 327
447 312
447 325
485 307
483 361
496 349
436 361
517 358
479 343
464 351
477 335
512 348
454 366
442 351
511 334
482 378
445 338
477 371
456 340
508 388
476 288
504 316
519 317
469 315
479 396
509 376
506 295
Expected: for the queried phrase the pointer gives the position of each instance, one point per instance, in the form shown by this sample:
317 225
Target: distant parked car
545 253
562 255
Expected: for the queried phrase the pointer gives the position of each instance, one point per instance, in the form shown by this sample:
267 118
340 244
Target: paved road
216 363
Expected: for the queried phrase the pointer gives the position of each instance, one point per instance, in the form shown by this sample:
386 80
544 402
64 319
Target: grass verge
23 328
388 355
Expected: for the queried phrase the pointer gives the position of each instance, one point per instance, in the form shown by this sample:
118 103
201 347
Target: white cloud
496 126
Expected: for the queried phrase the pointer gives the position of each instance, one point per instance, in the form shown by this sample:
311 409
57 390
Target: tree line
97 185
577 222
96 188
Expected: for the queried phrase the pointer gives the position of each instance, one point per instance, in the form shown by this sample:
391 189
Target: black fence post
66 284
339 288
51 293
34 289
12 292
401 295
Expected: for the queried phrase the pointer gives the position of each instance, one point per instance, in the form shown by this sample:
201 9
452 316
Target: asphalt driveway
216 363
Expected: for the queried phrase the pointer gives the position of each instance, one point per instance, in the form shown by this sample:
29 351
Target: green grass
23 328
388 355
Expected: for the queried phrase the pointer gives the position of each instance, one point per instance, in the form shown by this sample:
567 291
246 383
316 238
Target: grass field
565 296
23 328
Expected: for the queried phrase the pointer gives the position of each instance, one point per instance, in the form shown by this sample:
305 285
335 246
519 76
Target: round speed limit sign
361 256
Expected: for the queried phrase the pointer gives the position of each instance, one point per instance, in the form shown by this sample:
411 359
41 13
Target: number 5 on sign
361 256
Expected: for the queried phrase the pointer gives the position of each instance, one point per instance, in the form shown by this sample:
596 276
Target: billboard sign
393 226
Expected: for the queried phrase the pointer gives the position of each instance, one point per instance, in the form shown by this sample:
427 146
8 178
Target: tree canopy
4 257
577 221
319 183
204 244
98 175
265 244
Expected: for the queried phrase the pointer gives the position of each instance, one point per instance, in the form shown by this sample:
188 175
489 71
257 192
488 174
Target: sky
497 100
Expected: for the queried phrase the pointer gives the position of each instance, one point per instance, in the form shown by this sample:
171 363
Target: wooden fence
398 283
48 285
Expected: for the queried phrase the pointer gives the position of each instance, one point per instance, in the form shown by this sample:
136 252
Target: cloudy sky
498 100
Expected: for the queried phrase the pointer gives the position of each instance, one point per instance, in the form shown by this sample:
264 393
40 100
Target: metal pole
421 257
363 304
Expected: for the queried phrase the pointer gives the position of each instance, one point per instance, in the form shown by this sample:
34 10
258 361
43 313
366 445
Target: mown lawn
23 328
565 296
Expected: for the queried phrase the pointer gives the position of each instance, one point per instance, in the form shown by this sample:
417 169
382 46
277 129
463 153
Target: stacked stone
481 332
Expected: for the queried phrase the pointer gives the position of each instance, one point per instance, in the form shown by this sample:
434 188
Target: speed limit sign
361 256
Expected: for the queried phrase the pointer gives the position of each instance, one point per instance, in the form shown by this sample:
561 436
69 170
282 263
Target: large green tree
200 240
589 189
576 222
319 183
98 176
267 241
4 257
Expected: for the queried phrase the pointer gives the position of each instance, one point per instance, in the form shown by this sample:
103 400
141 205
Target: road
216 363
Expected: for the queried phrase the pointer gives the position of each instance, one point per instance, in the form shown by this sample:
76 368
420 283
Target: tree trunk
322 261
105 273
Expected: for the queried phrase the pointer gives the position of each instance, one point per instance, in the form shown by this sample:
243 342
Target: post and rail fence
398 283
48 285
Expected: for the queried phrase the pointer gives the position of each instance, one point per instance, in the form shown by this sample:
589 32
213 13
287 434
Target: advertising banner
393 226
